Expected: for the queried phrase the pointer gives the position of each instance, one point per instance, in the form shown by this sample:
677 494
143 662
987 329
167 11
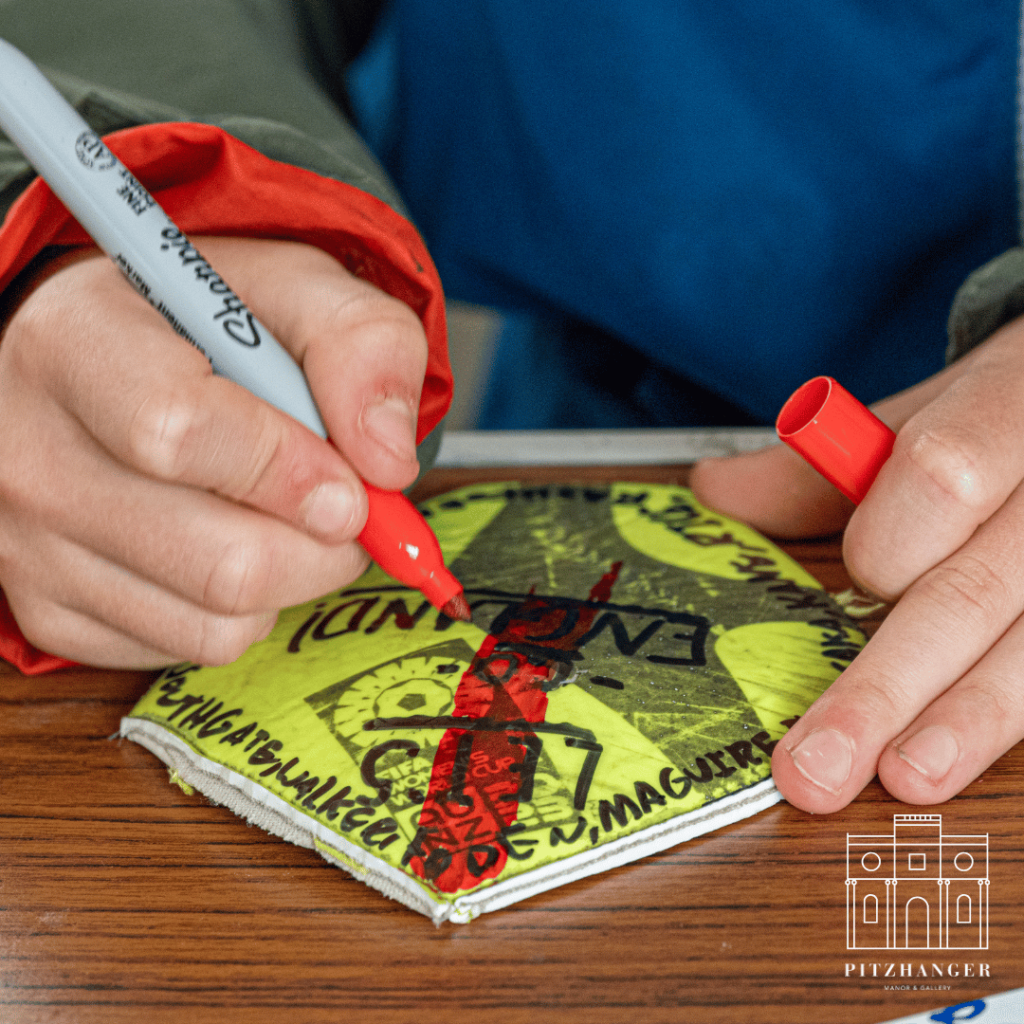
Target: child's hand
938 693
151 512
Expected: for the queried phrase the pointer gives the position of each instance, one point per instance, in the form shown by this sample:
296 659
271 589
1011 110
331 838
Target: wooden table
123 900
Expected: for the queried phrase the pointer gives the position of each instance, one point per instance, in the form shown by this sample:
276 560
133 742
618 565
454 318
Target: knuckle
970 585
404 329
20 489
238 580
46 623
32 322
278 465
396 327
217 640
881 696
951 462
162 433
994 694
32 354
42 626
221 640
1000 703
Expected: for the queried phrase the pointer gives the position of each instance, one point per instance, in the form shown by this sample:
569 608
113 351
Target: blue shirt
739 194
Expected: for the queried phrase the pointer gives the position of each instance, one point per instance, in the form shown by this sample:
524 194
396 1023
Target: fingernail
392 423
330 508
824 757
932 751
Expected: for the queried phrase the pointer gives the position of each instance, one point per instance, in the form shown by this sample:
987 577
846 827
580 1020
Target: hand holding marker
157 259
821 421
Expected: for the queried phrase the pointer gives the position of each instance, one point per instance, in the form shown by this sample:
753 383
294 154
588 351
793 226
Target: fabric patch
632 660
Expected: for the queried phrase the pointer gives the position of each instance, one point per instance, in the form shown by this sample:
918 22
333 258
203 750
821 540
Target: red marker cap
839 436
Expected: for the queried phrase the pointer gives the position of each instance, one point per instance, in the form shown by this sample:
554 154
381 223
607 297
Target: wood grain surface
124 900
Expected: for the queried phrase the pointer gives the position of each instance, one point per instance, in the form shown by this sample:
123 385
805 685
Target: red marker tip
839 436
399 540
458 608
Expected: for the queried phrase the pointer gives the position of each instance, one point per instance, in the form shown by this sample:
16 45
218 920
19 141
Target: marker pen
165 268
840 437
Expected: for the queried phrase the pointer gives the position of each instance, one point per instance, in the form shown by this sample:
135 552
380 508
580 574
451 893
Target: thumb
774 491
363 351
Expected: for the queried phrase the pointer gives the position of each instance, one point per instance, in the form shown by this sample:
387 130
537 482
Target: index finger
940 630
954 463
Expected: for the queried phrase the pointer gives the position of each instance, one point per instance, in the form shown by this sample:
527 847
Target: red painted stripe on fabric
477 774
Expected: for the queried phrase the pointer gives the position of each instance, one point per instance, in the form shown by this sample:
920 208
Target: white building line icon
916 888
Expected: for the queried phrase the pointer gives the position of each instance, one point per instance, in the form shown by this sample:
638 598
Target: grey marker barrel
153 253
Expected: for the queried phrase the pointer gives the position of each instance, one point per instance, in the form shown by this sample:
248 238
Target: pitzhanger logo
916 888
93 153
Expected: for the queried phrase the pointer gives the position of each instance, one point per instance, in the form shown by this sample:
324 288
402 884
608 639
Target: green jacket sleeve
266 71
990 298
